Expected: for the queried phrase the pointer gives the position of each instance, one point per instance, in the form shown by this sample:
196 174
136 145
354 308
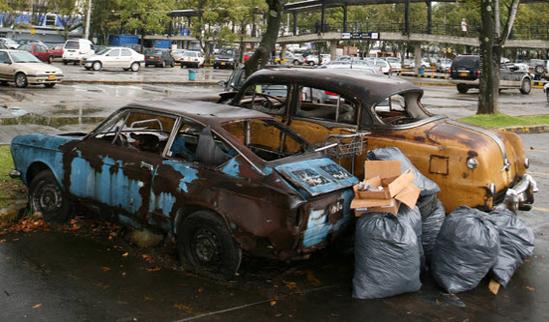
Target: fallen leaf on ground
182 307
272 303
37 306
125 254
105 268
147 258
153 269
291 285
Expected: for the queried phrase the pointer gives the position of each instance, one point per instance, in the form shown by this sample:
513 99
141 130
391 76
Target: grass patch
10 189
504 120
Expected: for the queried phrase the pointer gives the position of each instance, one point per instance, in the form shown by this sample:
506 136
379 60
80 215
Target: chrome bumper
521 196
14 174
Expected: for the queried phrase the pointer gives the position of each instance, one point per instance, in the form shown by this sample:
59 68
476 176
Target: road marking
240 307
541 174
541 209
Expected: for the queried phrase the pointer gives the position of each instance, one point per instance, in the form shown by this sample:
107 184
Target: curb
132 82
534 129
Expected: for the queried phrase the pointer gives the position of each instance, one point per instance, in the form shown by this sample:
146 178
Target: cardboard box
396 187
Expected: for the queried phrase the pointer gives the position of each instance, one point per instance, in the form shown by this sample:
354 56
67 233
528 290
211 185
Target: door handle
147 166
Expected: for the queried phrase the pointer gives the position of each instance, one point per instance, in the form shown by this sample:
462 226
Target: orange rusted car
473 166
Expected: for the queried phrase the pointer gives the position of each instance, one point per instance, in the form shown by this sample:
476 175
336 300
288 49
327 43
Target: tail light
330 93
450 70
477 73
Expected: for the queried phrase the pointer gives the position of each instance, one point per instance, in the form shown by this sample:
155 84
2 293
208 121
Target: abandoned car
473 166
220 179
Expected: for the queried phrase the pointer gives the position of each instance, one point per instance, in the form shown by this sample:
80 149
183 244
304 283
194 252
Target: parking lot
90 272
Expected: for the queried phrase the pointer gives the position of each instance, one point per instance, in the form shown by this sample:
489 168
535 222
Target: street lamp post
88 16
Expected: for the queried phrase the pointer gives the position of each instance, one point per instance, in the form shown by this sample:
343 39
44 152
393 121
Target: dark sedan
159 58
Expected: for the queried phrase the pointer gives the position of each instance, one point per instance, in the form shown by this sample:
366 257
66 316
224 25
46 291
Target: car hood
34 68
316 176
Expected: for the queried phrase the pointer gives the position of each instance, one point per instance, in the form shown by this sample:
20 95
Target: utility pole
88 16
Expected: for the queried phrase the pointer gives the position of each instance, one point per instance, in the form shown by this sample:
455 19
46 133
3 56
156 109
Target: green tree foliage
145 16
105 19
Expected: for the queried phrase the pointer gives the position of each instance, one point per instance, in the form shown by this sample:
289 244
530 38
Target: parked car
29 41
381 65
56 50
41 52
409 63
465 73
227 58
443 65
395 64
193 172
189 58
115 57
473 166
9 43
158 57
247 55
77 50
289 58
357 65
23 69
539 68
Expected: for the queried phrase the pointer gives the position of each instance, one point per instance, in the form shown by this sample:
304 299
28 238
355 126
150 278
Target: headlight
526 163
231 59
472 163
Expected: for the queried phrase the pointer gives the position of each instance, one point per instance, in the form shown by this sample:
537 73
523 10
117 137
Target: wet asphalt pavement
66 275
70 276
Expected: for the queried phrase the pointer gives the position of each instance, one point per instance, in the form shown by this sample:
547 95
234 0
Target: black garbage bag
517 243
431 224
386 257
413 217
426 185
427 204
466 248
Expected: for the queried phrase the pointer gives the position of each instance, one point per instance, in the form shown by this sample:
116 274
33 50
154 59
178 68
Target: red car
39 51
56 51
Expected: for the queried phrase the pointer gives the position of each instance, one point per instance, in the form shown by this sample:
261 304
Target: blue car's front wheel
47 197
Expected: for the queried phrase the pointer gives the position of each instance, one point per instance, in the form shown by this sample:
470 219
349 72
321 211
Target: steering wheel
268 104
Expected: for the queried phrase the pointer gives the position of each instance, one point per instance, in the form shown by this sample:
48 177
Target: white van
77 50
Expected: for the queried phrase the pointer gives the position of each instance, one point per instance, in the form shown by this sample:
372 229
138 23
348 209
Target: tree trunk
489 80
268 40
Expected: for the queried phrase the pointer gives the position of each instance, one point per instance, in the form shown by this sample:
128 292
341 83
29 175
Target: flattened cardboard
365 207
409 195
383 169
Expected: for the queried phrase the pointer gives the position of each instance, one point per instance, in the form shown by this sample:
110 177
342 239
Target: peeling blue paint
164 202
317 176
114 189
189 174
232 168
32 148
318 226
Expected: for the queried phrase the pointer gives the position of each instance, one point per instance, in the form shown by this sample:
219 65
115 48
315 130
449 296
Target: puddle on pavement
52 121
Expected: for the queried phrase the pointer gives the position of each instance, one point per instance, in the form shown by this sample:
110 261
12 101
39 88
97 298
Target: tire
205 245
539 70
526 86
134 67
311 63
172 64
50 59
47 197
462 88
75 63
52 85
65 62
21 80
163 64
97 66
295 62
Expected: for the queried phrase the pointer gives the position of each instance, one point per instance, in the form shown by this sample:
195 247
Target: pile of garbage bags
460 249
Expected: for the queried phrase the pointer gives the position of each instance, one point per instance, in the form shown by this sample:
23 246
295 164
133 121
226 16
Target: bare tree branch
512 15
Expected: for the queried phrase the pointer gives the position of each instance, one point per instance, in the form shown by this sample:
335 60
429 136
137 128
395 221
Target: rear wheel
65 62
526 86
47 197
21 80
462 88
50 59
205 244
311 63
134 67
163 64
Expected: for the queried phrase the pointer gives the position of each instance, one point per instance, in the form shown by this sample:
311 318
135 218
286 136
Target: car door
113 168
6 69
126 58
112 58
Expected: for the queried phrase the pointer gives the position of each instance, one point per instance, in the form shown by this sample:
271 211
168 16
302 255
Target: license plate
463 74
52 77
151 57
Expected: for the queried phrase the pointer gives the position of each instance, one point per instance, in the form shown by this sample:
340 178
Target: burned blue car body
208 174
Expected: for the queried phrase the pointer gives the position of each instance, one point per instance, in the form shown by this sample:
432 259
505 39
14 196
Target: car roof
372 89
204 112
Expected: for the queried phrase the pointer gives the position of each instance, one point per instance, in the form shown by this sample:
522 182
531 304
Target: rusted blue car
219 179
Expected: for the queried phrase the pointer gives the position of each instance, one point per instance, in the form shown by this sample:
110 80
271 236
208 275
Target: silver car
23 69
